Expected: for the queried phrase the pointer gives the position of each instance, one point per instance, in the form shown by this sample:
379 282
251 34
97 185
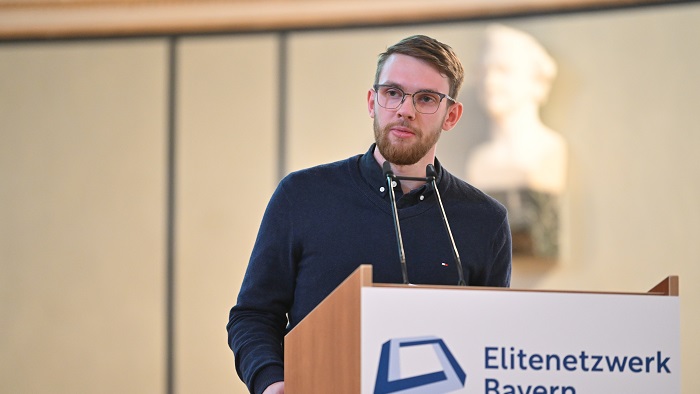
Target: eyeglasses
424 101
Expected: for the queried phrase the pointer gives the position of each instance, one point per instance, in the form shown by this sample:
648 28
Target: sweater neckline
369 179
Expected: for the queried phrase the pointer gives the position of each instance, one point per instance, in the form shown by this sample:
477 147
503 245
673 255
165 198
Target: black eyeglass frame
442 96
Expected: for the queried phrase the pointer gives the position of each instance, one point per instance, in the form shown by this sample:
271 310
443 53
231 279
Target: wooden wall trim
43 20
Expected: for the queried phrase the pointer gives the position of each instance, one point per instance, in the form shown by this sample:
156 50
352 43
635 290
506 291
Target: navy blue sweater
322 223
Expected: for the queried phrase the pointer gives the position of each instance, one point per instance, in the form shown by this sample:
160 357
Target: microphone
431 176
390 177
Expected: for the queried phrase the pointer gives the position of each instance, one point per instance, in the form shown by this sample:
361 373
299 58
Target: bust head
516 71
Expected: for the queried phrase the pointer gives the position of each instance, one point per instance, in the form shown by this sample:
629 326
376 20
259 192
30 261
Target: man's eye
428 98
393 93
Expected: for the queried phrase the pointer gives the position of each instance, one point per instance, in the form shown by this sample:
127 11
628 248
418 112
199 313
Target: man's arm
257 322
499 272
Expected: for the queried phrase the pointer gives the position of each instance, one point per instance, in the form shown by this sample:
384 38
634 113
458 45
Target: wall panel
227 170
82 172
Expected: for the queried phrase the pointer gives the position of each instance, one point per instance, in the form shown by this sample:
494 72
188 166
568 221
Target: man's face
403 135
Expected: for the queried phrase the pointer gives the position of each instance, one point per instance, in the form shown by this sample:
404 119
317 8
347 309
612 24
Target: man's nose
407 109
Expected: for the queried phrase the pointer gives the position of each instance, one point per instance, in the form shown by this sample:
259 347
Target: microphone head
386 167
430 171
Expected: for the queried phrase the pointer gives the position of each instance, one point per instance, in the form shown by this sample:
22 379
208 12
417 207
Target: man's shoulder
321 173
467 193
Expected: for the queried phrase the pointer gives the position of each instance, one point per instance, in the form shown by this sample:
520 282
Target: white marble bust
523 153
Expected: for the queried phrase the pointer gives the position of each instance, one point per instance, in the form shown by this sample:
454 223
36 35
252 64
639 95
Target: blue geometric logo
389 380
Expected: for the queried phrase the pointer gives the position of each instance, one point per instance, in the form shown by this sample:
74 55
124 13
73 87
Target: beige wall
82 165
227 169
83 180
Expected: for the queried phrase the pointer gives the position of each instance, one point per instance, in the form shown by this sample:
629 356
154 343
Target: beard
403 153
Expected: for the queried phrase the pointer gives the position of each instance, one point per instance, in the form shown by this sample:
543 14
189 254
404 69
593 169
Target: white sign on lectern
506 342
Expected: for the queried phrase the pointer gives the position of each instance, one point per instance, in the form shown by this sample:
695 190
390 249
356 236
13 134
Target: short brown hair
439 55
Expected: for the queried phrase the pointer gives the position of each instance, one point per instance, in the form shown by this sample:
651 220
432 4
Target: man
323 222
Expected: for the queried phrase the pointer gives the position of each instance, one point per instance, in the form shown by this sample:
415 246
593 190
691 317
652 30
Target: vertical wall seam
282 54
170 216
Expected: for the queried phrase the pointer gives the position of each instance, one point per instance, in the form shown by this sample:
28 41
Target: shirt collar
374 176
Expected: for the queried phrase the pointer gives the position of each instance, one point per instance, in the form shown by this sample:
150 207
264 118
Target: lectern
382 338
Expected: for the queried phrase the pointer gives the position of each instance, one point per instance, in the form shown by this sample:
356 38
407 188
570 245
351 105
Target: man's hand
275 388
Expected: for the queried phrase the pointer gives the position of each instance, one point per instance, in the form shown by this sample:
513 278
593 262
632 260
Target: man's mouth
402 132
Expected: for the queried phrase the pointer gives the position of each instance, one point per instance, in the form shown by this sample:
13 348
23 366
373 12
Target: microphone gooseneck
390 177
431 175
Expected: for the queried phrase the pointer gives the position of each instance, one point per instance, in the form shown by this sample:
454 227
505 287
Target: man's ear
454 113
370 103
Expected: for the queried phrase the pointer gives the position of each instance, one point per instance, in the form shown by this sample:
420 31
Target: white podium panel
433 341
